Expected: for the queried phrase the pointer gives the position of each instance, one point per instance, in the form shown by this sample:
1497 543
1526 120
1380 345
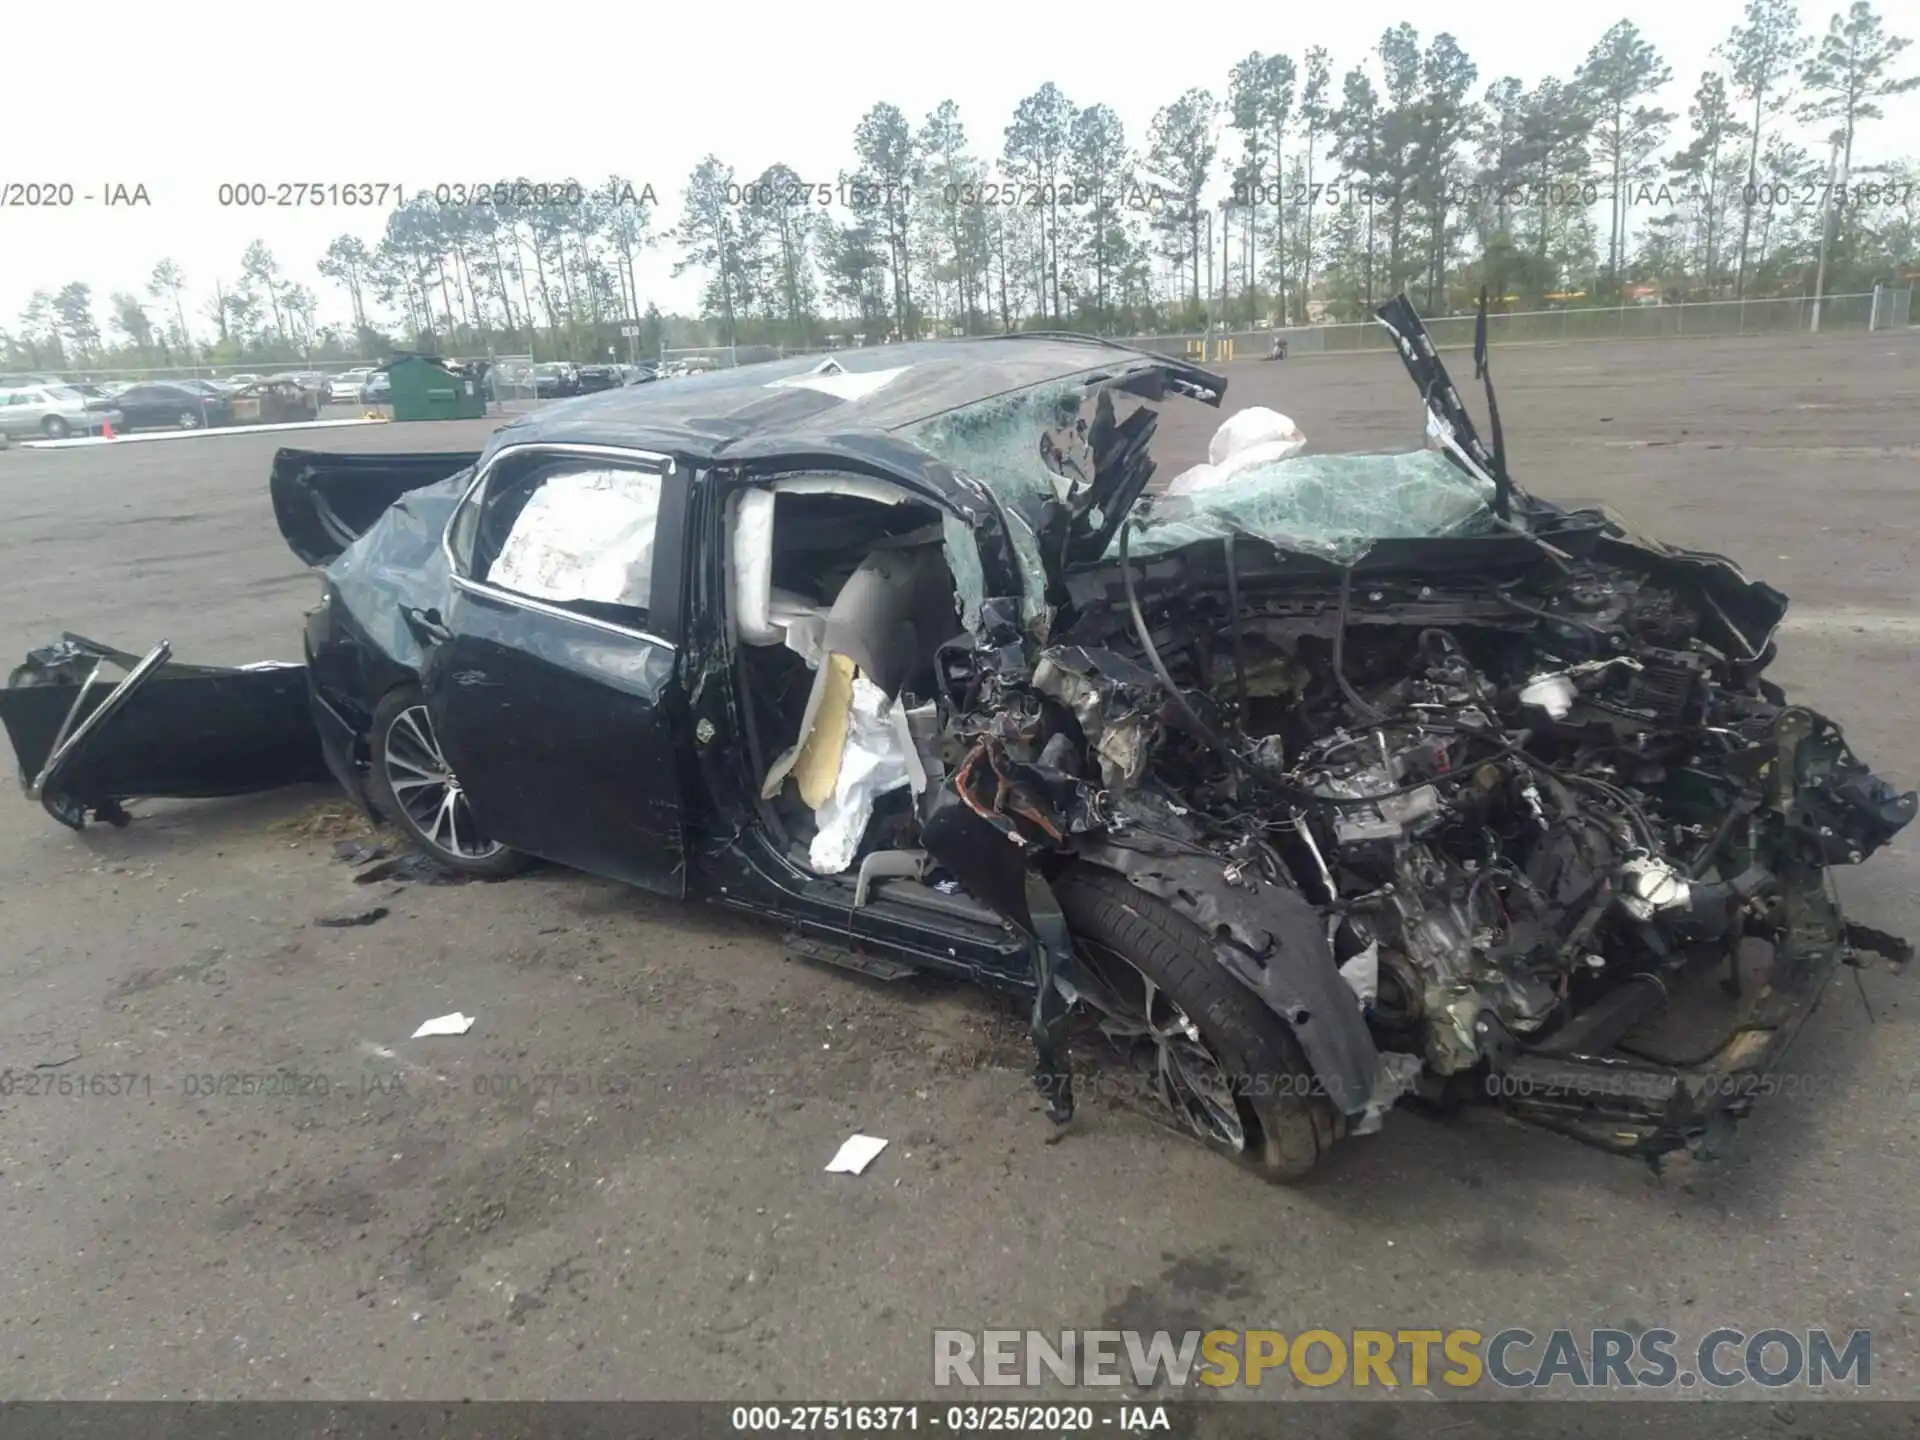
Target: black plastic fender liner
1271 939
995 871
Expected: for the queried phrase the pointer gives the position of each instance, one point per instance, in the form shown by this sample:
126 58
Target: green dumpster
425 387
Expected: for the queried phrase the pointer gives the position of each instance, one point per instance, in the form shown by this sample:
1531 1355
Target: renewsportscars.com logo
1511 1359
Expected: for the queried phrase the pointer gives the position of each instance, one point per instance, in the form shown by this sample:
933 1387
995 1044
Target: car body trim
556 612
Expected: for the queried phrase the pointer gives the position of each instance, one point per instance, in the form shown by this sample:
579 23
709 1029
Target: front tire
1227 1067
412 784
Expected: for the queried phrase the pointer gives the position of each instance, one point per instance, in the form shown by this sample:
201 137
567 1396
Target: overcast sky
423 94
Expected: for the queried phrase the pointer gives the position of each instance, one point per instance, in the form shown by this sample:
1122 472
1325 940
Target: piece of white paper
855 1155
454 1024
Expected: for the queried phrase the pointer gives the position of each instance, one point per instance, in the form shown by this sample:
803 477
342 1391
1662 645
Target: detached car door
552 677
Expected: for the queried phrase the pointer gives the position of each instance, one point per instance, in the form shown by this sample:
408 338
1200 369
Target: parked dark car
174 405
378 389
594 378
554 379
1346 777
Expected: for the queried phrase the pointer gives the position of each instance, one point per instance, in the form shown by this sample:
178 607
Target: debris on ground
348 922
454 1024
361 851
409 865
855 1155
328 820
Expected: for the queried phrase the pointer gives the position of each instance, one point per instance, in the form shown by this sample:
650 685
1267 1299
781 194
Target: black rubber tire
1289 1123
497 866
56 428
188 420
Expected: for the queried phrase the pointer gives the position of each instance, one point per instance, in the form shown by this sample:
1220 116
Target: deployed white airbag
751 553
1254 436
584 535
877 760
1245 429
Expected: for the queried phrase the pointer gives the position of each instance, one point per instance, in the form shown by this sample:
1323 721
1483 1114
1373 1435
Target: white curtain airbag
752 550
585 535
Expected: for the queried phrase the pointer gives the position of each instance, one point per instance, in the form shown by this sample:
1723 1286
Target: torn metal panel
86 741
1114 700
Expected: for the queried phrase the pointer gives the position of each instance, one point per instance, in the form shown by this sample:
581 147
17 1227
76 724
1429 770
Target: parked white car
51 412
348 385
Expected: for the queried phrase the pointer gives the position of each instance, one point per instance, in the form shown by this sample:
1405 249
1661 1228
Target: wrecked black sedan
1315 783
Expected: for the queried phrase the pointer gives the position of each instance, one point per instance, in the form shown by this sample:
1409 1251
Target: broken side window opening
583 534
842 591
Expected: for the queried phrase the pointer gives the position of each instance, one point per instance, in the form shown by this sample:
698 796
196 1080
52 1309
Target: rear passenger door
552 680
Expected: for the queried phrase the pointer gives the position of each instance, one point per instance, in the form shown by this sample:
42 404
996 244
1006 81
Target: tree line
1296 193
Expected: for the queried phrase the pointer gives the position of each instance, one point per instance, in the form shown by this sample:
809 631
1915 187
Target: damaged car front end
1480 797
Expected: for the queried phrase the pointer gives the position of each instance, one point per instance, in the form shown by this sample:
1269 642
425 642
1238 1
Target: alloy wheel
1163 1042
428 790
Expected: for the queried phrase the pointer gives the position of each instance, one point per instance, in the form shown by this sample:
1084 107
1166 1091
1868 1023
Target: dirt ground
612 1186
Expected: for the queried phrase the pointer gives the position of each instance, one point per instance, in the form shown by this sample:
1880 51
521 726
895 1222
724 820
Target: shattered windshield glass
1335 506
997 442
1330 505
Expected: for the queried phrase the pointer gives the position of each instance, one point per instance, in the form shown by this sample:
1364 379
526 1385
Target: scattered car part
165 730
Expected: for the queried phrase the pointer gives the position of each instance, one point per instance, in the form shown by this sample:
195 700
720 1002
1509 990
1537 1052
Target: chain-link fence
1707 318
510 380
1892 309
1885 308
135 374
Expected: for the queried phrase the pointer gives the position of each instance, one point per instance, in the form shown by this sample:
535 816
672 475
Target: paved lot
613 1187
